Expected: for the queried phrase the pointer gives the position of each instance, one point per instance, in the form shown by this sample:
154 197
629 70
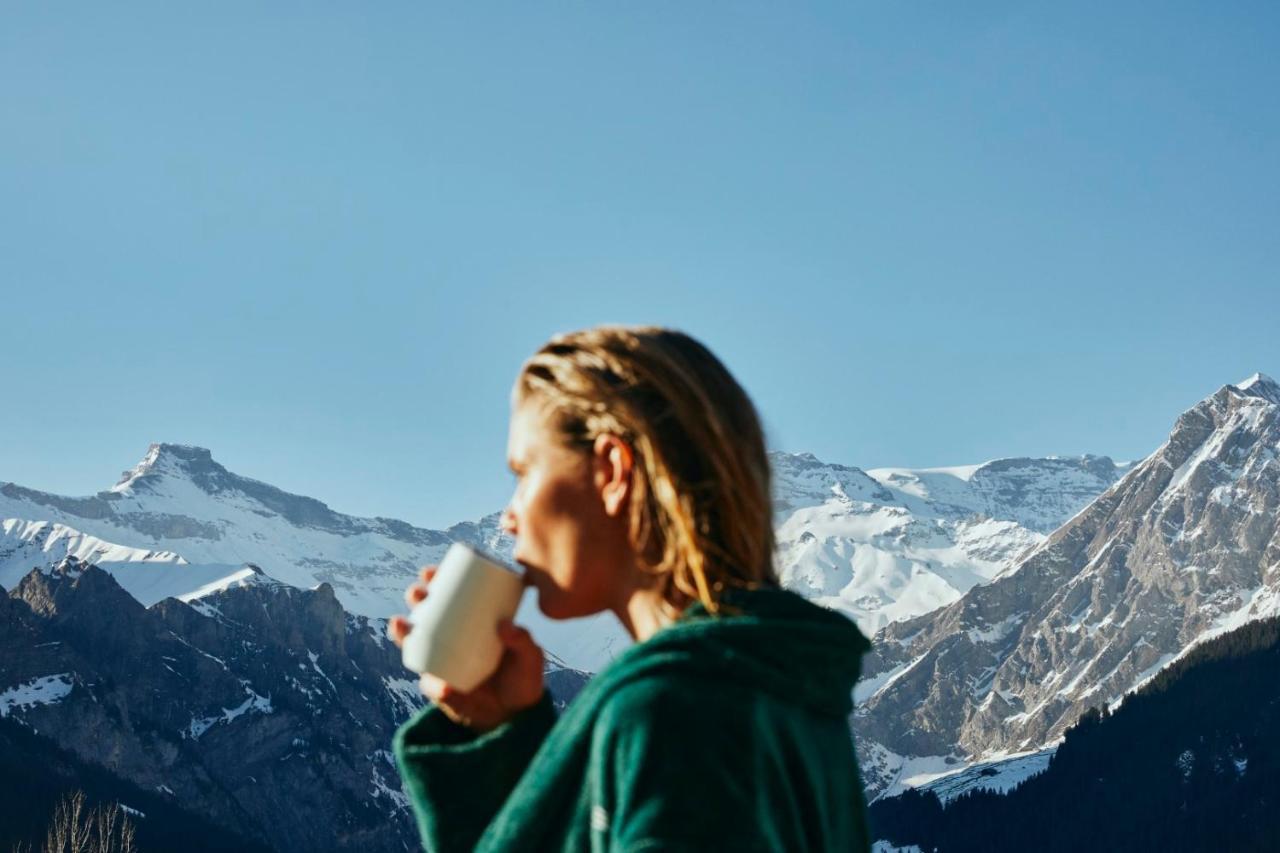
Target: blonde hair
700 509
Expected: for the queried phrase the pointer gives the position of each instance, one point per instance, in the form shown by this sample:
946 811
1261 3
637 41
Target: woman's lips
528 571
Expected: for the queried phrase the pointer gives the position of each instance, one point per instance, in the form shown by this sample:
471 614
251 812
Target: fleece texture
719 732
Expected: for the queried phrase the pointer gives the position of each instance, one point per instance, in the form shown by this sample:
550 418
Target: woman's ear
612 460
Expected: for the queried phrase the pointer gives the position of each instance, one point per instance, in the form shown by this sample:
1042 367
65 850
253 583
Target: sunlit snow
39 691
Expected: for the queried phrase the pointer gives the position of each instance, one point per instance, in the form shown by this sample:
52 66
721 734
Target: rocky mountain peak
164 459
801 479
180 475
1184 547
1260 385
72 586
184 452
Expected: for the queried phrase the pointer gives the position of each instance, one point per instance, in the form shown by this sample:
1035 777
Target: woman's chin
552 606
555 605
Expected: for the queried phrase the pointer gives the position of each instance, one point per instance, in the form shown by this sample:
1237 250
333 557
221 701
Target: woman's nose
507 521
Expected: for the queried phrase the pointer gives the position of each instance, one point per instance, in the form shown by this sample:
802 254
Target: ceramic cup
454 633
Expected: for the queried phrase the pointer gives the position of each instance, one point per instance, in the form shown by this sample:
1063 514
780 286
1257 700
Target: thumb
514 637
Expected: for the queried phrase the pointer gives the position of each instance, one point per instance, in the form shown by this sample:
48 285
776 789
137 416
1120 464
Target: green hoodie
718 732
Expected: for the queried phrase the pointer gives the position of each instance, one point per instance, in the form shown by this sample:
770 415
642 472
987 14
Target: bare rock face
1184 547
265 708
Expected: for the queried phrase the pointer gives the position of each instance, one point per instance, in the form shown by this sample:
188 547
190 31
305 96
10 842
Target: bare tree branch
106 828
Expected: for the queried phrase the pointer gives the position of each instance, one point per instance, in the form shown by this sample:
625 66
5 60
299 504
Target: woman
643 489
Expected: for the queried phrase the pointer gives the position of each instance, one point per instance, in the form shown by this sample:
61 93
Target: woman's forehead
534 435
529 428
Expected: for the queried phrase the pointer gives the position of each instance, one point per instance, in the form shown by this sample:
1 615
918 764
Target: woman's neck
644 613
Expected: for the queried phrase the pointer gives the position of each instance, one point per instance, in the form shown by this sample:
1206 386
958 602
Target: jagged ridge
1183 547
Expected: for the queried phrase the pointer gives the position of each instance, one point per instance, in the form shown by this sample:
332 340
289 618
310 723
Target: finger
398 628
436 689
520 644
414 594
427 573
513 635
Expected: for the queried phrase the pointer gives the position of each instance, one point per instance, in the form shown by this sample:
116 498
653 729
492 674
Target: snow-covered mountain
149 576
881 547
893 543
178 499
1184 547
179 520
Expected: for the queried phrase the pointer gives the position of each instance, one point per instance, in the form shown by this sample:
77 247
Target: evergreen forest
1189 762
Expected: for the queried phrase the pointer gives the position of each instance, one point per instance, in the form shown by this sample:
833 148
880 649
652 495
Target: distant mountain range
880 546
178 521
217 641
892 543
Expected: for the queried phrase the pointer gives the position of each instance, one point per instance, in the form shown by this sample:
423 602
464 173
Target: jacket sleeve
458 780
668 773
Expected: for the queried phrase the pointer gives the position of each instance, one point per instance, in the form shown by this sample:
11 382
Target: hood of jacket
768 639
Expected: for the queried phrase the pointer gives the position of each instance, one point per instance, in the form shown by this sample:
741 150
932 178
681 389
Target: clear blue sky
320 238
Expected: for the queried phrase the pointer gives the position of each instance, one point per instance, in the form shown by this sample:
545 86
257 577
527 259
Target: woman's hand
514 686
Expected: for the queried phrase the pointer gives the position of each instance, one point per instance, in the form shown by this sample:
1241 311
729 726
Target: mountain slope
180 507
149 576
1190 762
179 499
1184 547
266 709
894 543
35 773
878 551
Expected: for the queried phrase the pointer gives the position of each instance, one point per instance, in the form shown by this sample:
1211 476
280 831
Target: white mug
455 628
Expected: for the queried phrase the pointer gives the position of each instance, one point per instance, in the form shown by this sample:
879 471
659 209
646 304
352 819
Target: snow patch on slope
39 691
253 703
1000 774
